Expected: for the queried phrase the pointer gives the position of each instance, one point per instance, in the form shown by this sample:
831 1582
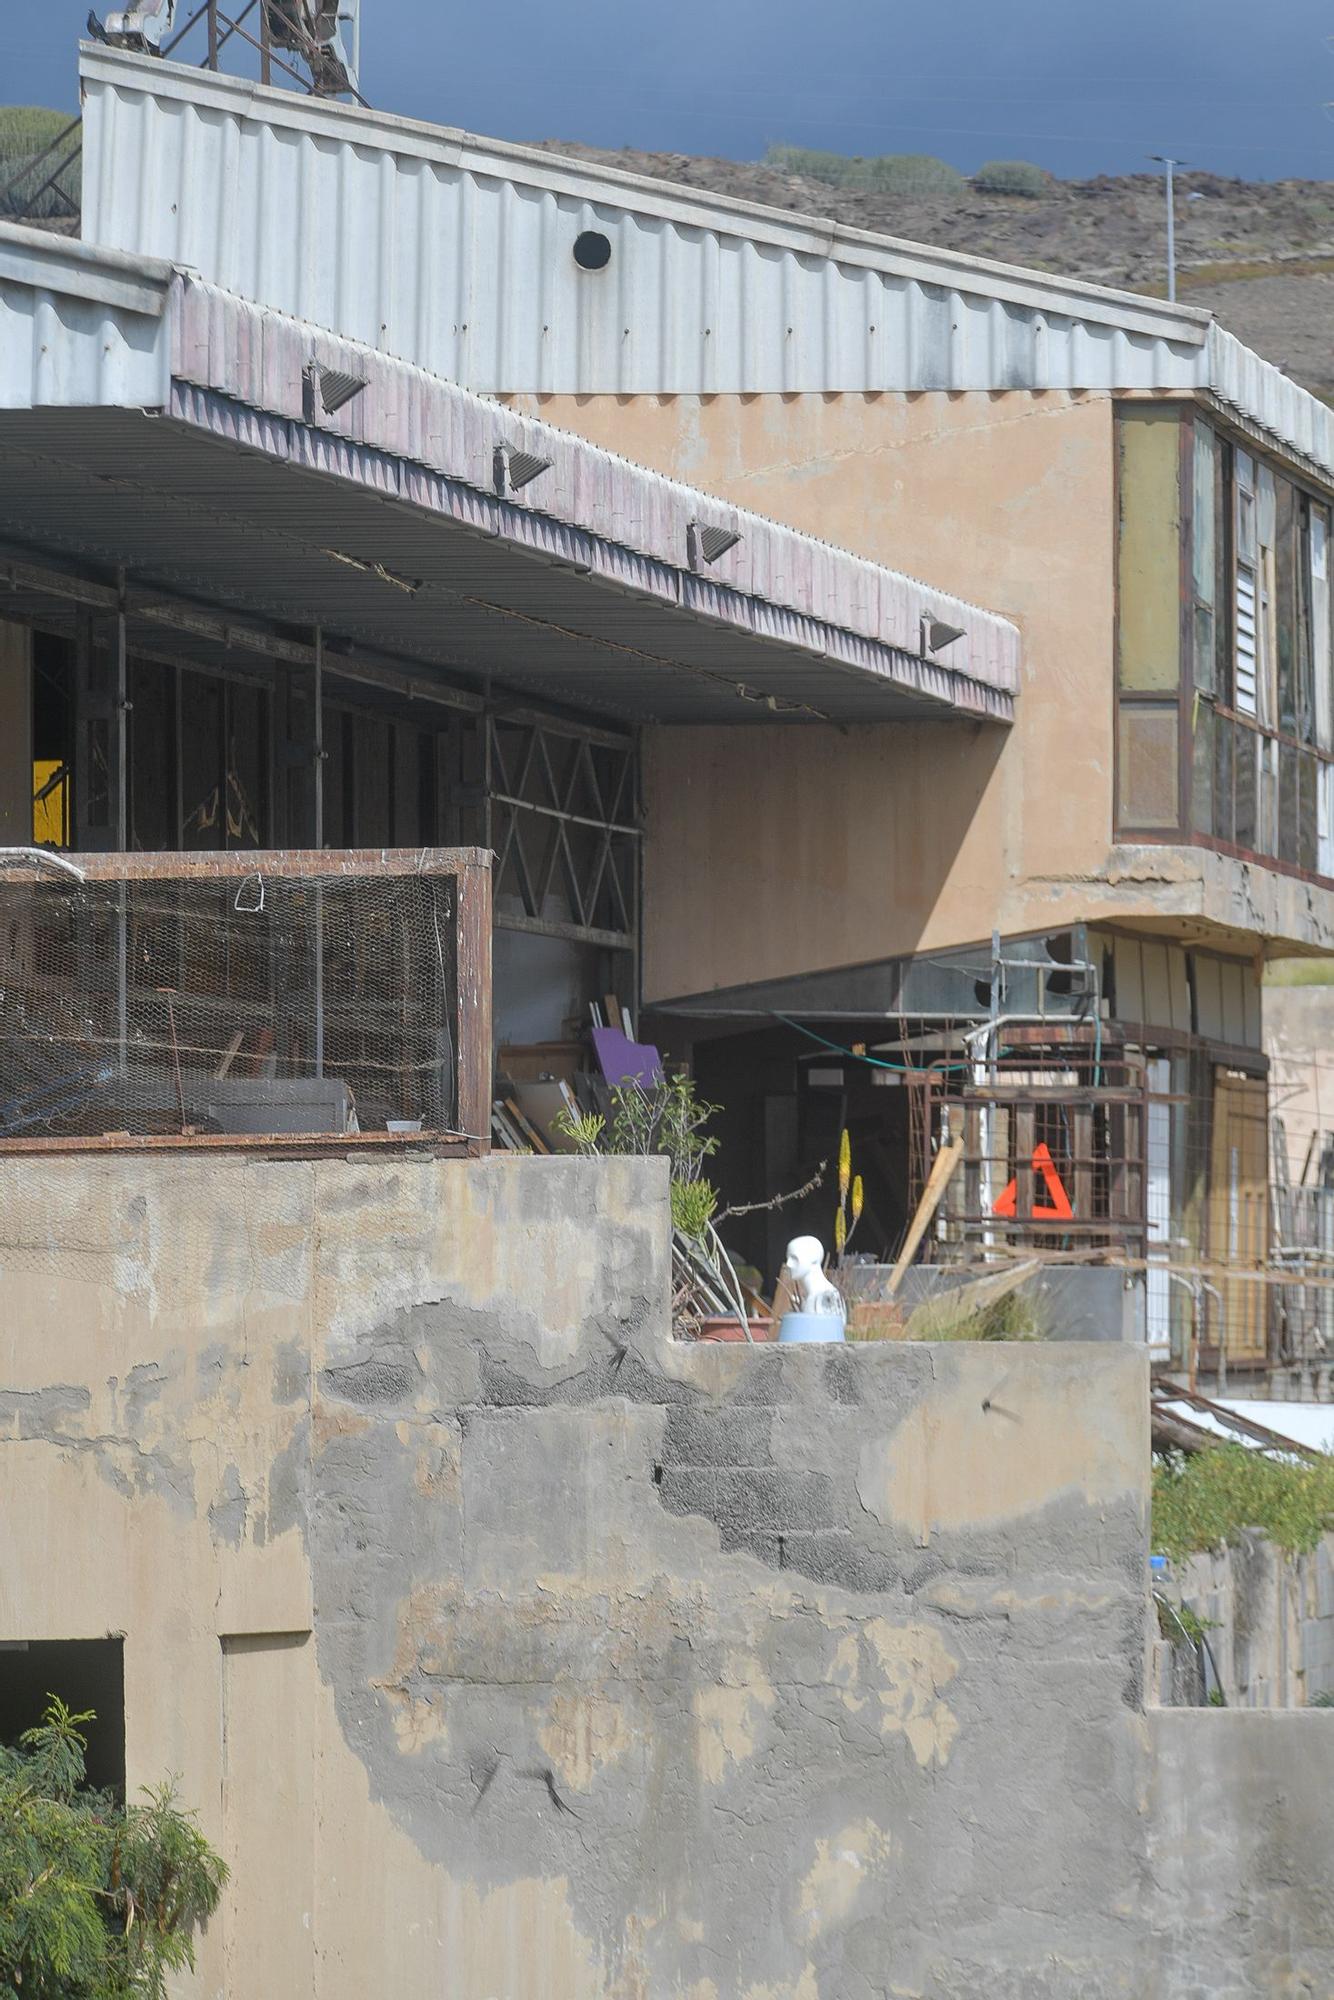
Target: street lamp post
1169 165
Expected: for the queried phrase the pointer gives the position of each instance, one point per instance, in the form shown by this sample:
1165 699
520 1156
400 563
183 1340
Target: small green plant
1206 1500
99 1900
693 1207
1178 1621
1012 177
886 173
585 1129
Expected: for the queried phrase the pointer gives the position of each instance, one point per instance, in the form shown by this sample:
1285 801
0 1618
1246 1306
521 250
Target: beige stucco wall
779 849
776 849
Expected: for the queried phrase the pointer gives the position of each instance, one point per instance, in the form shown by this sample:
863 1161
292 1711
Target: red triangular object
1060 1209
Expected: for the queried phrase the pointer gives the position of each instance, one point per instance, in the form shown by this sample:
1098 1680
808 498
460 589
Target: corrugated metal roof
615 602
455 253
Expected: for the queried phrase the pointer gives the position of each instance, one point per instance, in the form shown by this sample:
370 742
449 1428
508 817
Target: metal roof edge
259 357
67 266
814 236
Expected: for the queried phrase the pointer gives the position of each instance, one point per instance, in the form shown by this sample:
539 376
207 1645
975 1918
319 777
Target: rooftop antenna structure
1169 166
322 36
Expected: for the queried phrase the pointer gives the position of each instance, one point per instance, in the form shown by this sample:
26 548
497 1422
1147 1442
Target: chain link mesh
260 1004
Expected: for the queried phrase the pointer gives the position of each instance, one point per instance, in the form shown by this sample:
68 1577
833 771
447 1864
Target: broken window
1249 709
85 1674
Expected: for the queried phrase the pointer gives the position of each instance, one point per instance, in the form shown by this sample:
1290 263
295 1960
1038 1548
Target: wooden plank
946 1160
474 1055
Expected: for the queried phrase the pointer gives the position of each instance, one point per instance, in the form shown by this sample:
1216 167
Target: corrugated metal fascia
64 266
456 255
260 358
584 180
79 329
361 464
1282 408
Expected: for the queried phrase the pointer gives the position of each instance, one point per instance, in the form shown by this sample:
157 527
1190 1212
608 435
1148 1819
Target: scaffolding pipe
319 843
122 824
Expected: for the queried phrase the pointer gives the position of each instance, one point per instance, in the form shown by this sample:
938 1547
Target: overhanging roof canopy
225 455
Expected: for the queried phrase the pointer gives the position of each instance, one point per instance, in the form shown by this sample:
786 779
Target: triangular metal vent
337 387
710 543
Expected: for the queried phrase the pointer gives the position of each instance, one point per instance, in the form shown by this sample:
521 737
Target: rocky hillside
1258 253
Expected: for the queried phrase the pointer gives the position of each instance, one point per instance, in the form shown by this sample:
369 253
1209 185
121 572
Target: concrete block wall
1270 1619
511 1651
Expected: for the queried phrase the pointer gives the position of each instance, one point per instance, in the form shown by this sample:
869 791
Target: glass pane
1147 765
1207 725
1225 734
1244 744
247 766
1307 817
152 735
201 762
1286 559
1287 803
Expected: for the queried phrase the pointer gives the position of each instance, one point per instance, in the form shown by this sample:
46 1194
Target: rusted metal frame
473 1034
285 863
52 182
509 920
302 1145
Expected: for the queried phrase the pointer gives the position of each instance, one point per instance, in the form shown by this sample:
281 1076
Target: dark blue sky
1232 86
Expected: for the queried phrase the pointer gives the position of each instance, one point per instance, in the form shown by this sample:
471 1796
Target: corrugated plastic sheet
590 508
456 253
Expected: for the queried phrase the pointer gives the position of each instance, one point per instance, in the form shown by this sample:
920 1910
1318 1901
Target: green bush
25 131
1011 177
1206 1500
99 1900
886 173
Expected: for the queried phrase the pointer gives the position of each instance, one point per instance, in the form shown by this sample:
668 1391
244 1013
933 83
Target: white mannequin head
805 1273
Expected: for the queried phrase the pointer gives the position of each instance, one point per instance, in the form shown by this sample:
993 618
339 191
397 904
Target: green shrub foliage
887 173
1012 177
1205 1501
99 1900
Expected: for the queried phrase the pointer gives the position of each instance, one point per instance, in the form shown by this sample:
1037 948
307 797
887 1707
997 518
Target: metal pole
1169 166
319 843
122 824
265 48
213 34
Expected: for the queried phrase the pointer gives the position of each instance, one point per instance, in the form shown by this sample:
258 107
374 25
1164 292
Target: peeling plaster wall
512 1652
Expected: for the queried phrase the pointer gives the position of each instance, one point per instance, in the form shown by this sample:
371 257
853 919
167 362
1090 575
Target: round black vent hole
592 250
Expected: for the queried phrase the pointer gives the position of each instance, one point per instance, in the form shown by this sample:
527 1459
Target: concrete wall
1270 1619
511 1652
1240 1839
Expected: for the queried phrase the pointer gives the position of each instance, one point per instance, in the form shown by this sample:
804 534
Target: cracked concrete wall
513 1652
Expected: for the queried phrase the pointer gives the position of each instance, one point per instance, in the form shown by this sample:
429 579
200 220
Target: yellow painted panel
50 804
1149 551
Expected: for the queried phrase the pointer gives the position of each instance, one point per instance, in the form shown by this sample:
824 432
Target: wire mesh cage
196 998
